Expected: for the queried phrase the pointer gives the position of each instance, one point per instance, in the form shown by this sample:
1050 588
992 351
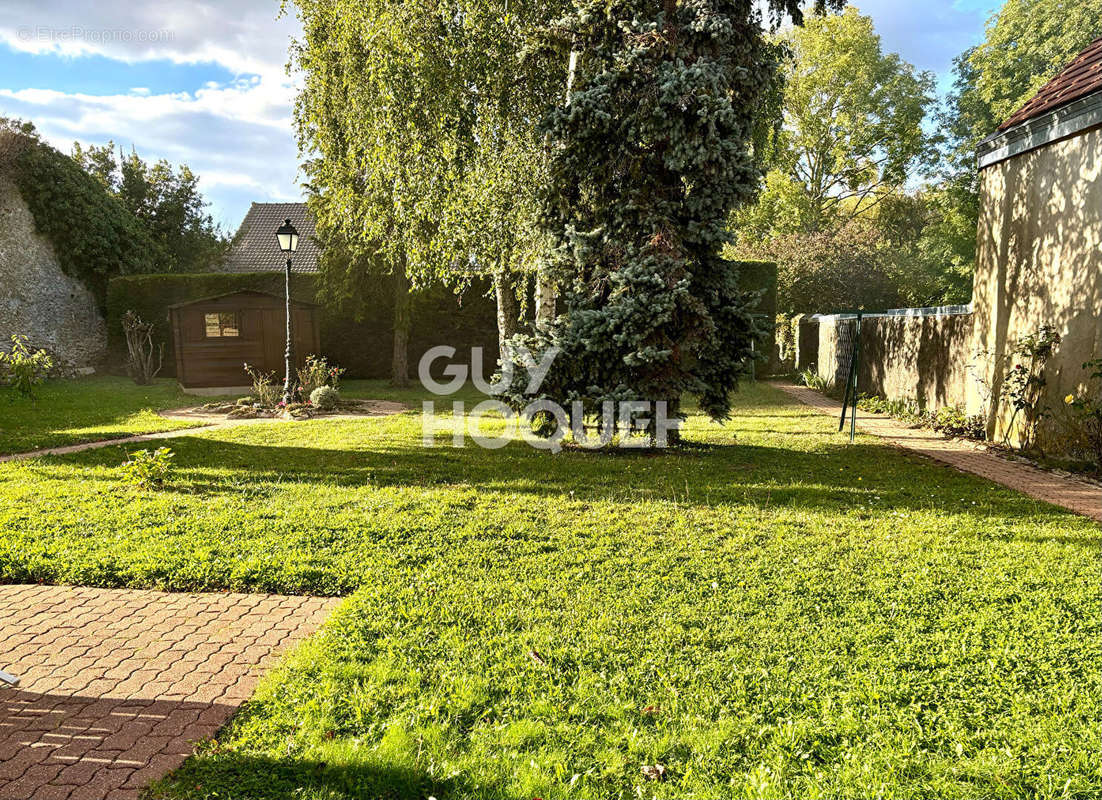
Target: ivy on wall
93 236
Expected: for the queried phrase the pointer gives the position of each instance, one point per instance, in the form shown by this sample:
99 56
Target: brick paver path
1080 496
116 685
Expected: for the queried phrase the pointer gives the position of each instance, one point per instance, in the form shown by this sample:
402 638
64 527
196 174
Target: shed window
223 323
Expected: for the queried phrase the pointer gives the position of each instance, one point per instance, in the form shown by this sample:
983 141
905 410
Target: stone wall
37 299
906 354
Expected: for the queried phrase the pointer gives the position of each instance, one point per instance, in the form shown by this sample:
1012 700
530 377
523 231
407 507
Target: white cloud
238 137
244 35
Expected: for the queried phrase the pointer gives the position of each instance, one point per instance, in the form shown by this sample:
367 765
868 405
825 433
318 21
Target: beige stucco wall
1039 262
921 358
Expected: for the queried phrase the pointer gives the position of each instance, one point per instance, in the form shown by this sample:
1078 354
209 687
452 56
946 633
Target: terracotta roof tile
254 248
1081 77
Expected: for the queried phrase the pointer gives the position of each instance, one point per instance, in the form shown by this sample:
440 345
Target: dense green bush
325 397
94 237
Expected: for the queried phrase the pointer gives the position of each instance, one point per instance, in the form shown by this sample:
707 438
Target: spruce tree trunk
505 289
399 372
673 408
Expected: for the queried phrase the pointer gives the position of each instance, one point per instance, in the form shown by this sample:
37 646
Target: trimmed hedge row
762 276
363 347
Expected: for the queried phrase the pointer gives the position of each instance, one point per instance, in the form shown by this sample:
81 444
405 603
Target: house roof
207 299
254 246
1083 76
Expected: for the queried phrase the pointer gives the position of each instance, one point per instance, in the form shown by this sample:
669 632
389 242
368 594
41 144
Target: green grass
770 613
86 410
67 412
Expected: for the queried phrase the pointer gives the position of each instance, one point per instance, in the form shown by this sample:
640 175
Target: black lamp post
287 237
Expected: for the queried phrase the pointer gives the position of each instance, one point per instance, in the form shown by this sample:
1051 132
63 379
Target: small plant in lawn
265 390
325 398
316 373
23 369
149 469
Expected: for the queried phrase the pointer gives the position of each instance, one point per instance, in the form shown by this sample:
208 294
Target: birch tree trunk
546 294
403 320
508 310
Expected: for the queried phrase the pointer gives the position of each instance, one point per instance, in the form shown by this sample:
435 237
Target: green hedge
363 347
762 276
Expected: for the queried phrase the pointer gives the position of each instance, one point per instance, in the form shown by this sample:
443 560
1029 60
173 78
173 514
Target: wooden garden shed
214 337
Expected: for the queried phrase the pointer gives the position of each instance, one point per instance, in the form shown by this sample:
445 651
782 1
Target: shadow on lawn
836 477
236 775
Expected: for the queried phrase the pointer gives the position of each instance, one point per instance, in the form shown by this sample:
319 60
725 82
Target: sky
205 83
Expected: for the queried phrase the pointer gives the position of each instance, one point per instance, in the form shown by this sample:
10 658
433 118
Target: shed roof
278 297
1083 76
254 246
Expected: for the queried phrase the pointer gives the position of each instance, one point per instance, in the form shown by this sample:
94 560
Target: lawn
86 410
67 412
769 613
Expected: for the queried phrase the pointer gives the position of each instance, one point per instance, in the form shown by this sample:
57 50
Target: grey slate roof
254 247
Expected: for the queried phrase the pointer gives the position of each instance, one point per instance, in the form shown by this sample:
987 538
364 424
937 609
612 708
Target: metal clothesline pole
849 401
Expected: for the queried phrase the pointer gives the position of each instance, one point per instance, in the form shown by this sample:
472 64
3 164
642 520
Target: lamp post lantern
287 237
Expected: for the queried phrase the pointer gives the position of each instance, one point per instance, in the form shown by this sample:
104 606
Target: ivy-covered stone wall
37 299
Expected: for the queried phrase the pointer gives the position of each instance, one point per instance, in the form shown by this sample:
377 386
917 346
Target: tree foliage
166 199
851 143
93 235
647 160
852 127
419 120
866 263
1027 43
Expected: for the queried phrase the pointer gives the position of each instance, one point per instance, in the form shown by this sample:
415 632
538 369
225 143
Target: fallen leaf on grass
654 772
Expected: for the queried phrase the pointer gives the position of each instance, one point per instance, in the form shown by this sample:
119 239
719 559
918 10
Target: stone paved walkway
117 685
145 437
1081 496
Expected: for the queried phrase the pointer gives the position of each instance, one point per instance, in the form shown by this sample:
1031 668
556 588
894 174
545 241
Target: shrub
316 373
22 369
325 397
954 421
265 390
149 470
140 349
813 380
1023 383
1086 412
